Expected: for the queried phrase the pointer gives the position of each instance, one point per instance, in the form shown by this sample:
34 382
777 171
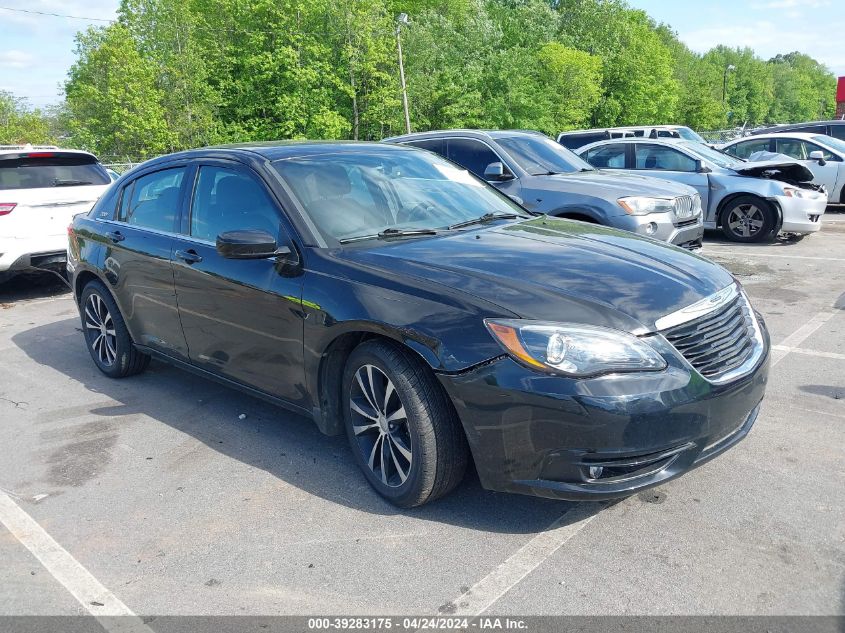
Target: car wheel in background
106 335
748 219
404 432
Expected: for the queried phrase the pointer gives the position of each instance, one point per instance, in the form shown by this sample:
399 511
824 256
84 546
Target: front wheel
748 219
106 335
403 430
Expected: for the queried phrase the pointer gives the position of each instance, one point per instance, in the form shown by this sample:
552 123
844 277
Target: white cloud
16 59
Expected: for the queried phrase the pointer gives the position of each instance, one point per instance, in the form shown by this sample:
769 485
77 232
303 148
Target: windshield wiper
70 183
391 232
487 217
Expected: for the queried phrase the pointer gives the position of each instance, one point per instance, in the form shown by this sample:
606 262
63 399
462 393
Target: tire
748 219
421 453
111 348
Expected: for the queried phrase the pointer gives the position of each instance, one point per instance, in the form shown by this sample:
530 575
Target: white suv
41 189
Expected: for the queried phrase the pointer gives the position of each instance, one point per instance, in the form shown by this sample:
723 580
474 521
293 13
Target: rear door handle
115 236
189 256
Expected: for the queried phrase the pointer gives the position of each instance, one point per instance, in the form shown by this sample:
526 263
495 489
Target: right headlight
574 350
643 205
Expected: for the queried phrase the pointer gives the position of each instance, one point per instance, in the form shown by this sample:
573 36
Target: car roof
669 142
275 150
806 136
479 134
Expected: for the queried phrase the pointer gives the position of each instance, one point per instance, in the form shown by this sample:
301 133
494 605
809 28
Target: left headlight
796 192
643 205
572 349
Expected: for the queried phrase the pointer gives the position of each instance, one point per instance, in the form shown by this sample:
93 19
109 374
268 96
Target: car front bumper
547 436
664 227
801 215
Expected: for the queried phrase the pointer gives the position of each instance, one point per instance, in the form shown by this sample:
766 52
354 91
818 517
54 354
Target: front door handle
115 236
189 256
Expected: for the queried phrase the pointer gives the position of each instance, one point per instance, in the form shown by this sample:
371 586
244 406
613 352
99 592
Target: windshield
687 134
714 156
41 172
356 195
830 141
539 155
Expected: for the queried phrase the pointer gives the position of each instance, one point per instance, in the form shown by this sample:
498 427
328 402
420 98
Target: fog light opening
595 471
650 228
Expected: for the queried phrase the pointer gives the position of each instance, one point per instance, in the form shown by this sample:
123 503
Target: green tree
113 105
21 124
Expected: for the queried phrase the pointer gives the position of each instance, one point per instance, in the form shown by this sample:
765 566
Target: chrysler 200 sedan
391 295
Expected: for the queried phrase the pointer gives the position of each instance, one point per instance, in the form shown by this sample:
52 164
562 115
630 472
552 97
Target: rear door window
436 145
746 148
607 156
45 170
650 156
471 154
838 131
153 201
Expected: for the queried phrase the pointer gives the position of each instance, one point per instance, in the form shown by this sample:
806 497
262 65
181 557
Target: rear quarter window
44 172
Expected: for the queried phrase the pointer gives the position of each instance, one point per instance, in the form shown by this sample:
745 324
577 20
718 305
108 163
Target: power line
55 15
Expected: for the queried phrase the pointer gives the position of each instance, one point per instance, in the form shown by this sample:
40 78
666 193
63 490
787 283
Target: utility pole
401 19
728 68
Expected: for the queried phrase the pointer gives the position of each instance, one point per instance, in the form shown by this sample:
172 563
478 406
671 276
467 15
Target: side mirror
818 155
701 168
497 172
249 244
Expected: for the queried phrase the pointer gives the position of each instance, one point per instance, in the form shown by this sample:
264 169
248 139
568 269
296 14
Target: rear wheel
748 219
106 334
404 433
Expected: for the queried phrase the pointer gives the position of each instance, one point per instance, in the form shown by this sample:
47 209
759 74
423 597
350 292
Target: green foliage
114 107
172 74
19 124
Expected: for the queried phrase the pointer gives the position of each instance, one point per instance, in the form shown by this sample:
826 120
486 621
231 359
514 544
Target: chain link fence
723 136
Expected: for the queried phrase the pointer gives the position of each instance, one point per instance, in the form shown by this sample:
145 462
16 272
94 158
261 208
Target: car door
662 161
800 149
137 258
241 317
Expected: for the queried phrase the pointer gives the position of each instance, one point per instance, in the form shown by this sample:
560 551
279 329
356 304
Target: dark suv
836 129
388 294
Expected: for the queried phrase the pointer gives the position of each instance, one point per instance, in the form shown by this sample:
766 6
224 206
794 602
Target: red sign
840 90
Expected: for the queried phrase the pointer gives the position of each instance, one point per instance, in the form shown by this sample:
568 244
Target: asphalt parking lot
168 494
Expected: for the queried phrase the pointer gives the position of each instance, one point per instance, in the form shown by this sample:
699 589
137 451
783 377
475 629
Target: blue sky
36 51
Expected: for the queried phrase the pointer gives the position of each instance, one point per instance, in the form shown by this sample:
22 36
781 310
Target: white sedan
41 189
821 154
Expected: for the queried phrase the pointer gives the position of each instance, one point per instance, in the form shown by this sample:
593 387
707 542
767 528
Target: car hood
611 184
777 170
557 270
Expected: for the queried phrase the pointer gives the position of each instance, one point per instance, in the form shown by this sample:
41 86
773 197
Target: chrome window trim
698 309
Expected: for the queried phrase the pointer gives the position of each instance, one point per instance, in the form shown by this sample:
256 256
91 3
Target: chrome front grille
722 343
687 207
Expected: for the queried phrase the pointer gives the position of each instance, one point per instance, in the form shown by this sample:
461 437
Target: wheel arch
82 279
724 202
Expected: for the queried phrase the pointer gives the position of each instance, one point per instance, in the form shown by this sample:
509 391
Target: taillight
7 207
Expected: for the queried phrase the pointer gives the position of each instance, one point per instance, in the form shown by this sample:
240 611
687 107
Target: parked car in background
836 128
578 138
391 295
823 155
748 201
548 178
41 189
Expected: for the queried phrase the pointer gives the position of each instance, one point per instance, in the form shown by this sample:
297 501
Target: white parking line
808 352
92 595
783 348
497 583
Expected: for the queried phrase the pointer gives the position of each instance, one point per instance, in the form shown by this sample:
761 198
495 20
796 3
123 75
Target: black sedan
386 292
